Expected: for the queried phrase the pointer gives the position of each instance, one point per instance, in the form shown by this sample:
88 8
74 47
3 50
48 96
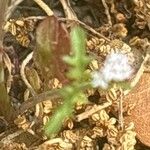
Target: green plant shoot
72 93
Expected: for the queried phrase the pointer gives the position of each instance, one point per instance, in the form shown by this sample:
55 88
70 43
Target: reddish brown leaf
140 114
52 43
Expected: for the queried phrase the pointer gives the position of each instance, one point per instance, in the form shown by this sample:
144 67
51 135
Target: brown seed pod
21 29
70 136
120 17
119 30
142 12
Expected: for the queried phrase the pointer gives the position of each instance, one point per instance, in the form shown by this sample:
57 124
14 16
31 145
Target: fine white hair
116 68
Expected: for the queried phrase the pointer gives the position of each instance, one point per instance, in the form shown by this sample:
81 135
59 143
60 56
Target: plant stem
48 95
6 109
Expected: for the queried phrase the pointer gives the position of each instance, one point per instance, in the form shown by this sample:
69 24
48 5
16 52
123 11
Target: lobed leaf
72 93
79 60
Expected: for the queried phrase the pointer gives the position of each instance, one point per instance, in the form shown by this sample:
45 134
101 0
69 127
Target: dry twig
140 71
93 110
8 64
90 29
121 122
107 12
22 72
45 7
3 8
8 139
138 74
70 14
35 18
31 102
56 141
49 95
12 7
87 28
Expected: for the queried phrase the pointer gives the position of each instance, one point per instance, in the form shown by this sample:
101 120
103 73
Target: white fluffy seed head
116 68
98 81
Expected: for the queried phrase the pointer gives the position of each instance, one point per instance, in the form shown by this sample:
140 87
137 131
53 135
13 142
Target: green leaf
79 60
73 93
55 123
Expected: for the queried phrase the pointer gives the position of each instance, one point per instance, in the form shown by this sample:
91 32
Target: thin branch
59 141
107 12
140 71
75 20
8 139
52 95
70 14
8 65
11 8
3 8
138 74
93 31
121 122
87 28
93 110
53 141
22 72
45 7
31 102
35 18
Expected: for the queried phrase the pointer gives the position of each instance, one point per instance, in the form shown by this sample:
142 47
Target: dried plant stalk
6 109
107 12
3 6
48 11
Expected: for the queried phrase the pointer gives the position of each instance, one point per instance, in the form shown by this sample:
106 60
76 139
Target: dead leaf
52 43
140 114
